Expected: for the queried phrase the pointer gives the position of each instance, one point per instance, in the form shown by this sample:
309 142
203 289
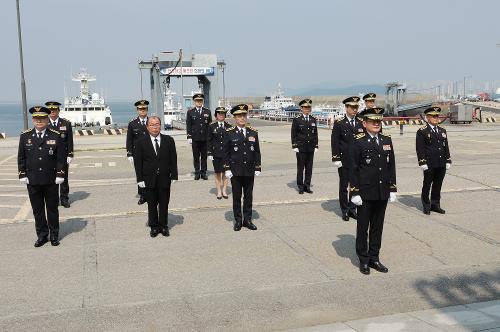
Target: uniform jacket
242 154
41 160
135 131
216 139
342 137
66 132
304 133
197 124
432 148
155 170
372 173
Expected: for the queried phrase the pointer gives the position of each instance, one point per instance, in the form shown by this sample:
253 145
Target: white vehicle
172 109
86 110
278 102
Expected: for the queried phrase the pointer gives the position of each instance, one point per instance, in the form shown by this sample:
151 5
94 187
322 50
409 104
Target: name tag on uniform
51 142
386 147
251 139
444 135
62 128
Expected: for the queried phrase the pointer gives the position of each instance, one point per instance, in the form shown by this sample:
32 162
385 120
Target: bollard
401 124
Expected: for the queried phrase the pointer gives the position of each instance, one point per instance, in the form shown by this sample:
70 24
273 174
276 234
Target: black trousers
199 156
432 177
158 199
64 187
369 230
45 197
242 184
344 193
304 162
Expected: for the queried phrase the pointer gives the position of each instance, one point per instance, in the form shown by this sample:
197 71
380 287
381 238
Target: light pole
23 82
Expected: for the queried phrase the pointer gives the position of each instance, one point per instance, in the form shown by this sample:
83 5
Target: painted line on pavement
22 214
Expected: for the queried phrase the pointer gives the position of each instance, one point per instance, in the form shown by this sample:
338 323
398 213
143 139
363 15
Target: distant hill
337 90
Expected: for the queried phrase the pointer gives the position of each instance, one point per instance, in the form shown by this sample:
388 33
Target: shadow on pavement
230 217
174 220
411 201
69 226
332 206
78 196
345 246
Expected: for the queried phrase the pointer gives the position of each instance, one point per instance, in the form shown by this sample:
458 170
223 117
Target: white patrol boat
172 109
278 104
86 110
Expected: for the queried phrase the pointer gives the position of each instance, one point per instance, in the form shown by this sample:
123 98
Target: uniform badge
360 130
63 135
251 148
51 142
251 139
62 128
444 135
428 135
51 152
29 140
368 161
235 148
386 147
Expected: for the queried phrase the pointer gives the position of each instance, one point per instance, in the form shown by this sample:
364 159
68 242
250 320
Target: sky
300 44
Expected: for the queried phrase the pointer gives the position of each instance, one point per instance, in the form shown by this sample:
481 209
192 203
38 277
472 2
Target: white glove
131 160
190 141
296 150
69 160
337 164
356 200
424 167
141 184
315 149
211 158
448 165
24 180
59 180
257 173
228 174
392 197
173 181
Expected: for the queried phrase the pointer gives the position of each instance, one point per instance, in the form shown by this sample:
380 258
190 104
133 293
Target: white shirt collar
56 120
220 123
43 132
244 129
432 127
348 118
373 136
143 119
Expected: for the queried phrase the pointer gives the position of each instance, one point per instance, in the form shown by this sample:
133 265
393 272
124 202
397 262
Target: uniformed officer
304 143
63 126
216 133
433 155
369 100
242 164
342 136
41 161
197 120
137 130
372 178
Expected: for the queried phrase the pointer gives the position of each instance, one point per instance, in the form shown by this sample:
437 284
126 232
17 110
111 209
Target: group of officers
363 156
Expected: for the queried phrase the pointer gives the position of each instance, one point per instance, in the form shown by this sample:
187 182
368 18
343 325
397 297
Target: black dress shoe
301 191
41 241
427 211
225 196
308 190
237 226
378 266
364 268
345 216
65 203
219 197
165 232
204 177
154 232
353 214
141 200
250 225
437 209
197 176
54 240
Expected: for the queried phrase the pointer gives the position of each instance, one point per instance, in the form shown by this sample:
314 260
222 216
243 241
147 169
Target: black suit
372 176
197 129
41 160
305 138
135 131
342 137
433 151
63 126
157 170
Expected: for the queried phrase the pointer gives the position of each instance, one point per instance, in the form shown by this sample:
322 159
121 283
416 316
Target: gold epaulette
230 128
251 128
342 118
360 135
54 131
27 131
423 127
386 135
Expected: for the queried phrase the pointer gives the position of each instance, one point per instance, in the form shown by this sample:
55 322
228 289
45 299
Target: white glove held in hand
424 167
59 180
315 149
356 200
141 184
448 165
337 164
24 180
69 160
257 173
392 197
296 150
173 181
211 158
190 141
228 174
131 160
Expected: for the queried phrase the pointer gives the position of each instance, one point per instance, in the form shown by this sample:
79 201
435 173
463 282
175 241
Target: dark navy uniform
197 129
342 137
304 135
433 151
216 135
372 176
41 160
136 130
63 126
242 158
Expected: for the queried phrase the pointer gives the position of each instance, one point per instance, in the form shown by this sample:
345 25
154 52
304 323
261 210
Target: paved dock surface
299 270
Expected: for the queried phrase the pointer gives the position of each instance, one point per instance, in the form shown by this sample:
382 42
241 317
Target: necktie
54 124
307 119
40 135
242 133
352 123
143 122
376 140
157 147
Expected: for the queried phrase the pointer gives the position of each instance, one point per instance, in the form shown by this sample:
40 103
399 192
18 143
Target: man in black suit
63 126
136 130
198 119
155 160
342 137
433 155
41 163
